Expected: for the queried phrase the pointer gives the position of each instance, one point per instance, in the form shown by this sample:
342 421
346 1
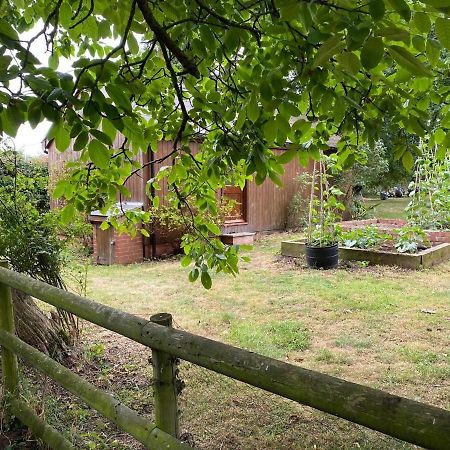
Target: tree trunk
47 333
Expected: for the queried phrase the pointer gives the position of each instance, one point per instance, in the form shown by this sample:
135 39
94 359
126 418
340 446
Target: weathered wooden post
9 360
164 384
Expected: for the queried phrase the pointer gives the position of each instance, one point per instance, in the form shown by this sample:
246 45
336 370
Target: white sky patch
30 140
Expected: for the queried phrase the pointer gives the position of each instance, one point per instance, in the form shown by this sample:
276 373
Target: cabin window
239 213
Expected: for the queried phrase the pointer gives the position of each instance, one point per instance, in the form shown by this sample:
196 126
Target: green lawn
365 325
391 208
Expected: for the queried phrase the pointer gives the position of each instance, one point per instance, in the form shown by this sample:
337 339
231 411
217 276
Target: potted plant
322 241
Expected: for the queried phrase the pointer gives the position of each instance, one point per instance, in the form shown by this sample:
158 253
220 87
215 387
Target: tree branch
164 39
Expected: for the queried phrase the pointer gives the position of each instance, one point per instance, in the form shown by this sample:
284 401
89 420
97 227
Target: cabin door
239 196
105 245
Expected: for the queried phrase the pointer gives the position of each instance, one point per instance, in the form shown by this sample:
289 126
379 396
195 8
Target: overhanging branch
164 39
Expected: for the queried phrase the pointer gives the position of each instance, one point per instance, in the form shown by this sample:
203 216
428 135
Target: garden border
421 260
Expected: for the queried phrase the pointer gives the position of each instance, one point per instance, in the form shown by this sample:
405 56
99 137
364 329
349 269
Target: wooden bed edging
411 421
420 260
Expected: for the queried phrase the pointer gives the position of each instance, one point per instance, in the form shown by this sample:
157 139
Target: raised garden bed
422 259
389 225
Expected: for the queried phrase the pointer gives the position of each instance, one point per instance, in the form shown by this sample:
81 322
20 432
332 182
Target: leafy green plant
324 208
364 237
410 239
430 191
360 210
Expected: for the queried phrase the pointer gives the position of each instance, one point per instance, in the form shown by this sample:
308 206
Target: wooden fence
411 421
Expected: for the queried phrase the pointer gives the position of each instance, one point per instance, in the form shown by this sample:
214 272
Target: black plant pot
322 257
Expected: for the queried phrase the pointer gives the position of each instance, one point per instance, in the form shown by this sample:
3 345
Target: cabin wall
57 168
268 204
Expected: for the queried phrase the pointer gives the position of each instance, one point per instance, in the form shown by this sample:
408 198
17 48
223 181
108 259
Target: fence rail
411 421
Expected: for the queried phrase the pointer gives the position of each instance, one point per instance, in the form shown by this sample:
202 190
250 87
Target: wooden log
10 368
164 384
124 417
411 421
53 438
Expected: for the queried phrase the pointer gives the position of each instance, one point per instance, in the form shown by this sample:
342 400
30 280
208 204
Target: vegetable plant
410 239
366 237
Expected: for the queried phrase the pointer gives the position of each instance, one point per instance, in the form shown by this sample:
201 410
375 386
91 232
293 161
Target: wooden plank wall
267 205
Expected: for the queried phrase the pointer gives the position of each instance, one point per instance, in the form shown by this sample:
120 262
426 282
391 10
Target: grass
365 325
391 208
275 339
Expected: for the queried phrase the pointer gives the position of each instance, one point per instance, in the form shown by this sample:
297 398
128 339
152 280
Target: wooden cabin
258 208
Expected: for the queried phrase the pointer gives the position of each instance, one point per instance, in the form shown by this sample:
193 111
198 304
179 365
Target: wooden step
238 238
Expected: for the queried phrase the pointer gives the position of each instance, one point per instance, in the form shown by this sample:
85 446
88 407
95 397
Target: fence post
164 384
9 360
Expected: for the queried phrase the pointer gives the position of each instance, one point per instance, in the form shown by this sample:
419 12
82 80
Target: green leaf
439 136
303 158
60 188
276 179
433 51
408 160
186 260
394 34
350 62
99 154
253 109
408 61
441 152
7 30
422 22
377 9
65 14
372 52
437 3
5 61
193 274
102 137
118 96
62 137
329 48
270 130
53 61
213 228
442 26
206 280
81 141
132 43
401 7
67 213
287 156
34 113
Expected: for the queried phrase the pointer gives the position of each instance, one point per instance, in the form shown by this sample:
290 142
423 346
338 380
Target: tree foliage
246 75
